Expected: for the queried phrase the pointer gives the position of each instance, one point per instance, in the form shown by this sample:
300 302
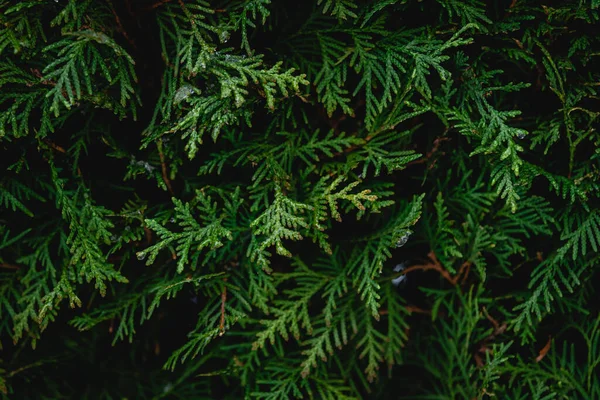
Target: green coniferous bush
327 199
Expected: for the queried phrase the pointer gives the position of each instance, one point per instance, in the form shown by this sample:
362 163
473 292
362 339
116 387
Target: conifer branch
283 258
163 167
434 264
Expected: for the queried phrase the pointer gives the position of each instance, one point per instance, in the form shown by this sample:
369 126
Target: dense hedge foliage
330 199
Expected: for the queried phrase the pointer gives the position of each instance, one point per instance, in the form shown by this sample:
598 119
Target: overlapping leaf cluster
337 199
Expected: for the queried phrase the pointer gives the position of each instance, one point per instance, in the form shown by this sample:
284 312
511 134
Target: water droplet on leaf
183 93
224 36
398 268
397 281
168 387
403 239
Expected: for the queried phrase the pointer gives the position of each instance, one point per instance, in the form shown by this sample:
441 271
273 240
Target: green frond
580 233
341 9
74 54
194 237
281 220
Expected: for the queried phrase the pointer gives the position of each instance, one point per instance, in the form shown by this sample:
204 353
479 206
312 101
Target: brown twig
56 147
9 266
156 5
120 26
544 350
36 72
21 369
148 234
498 328
483 347
61 150
467 266
435 265
129 9
163 167
416 309
410 309
223 300
430 153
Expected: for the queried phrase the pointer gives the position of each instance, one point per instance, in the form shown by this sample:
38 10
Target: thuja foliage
330 199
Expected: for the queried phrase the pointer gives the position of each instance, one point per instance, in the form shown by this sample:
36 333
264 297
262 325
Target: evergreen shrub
327 199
